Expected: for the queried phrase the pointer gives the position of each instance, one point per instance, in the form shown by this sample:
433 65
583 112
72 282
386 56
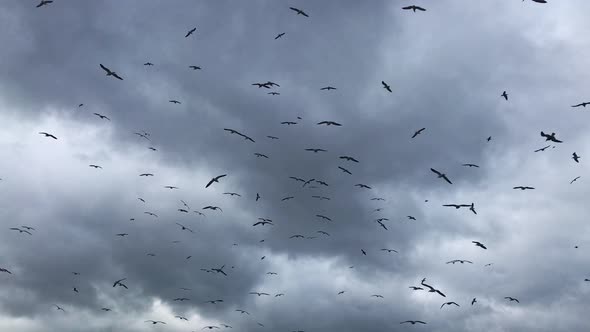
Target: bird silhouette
441 175
360 185
328 88
470 165
386 86
574 180
511 299
413 322
190 32
347 158
215 179
523 188
279 35
44 3
575 157
299 11
195 67
582 104
414 8
505 95
542 149
110 72
550 137
48 135
418 132
449 303
479 244
329 123
154 322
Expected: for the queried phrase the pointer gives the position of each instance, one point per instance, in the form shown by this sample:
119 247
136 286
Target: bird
154 322
441 175
242 311
432 289
457 206
510 298
5 270
288 123
582 104
472 208
48 135
539 1
389 250
489 138
258 293
215 179
214 301
377 295
260 155
279 35
184 228
329 123
105 309
296 236
316 150
575 157
59 308
274 93
523 187
377 199
170 187
20 230
148 64
181 299
262 85
263 223
287 198
418 132
102 116
411 218
344 170
470 165
28 228
181 317
110 72
272 137
195 67
363 252
542 149
347 158
95 166
479 244
550 137
473 301
120 284
385 86
505 95
75 290
233 194
324 233
257 197
360 185
44 3
416 288
574 180
328 88
341 292
226 326
323 217
209 207
299 11
151 214
274 273
173 101
413 322
190 32
414 8
146 174
183 210
459 261
449 303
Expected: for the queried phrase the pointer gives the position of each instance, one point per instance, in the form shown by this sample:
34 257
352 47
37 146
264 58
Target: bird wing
117 76
435 171
105 68
447 179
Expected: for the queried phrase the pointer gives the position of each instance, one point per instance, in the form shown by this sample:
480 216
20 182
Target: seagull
511 299
323 217
215 179
274 93
456 206
20 230
316 150
582 104
328 88
5 270
416 288
263 223
44 3
257 197
489 138
479 244
411 218
377 295
473 301
272 137
233 194
195 67
341 292
287 198
472 208
258 293
297 236
414 8
260 155
389 250
146 174
154 322
360 185
574 180
279 35
470 165
148 64
209 207
449 303
28 228
102 116
344 170
181 299
413 322
418 132
190 32
48 135
441 175
385 86
105 309
459 261
288 123
523 187
505 95
347 158
329 123
542 149
299 11
59 308
170 187
110 72
550 137
94 166
324 233
364 252
242 311
181 318
184 228
575 157
119 283
151 214
261 85
173 101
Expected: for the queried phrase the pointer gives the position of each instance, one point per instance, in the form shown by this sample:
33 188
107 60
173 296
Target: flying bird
20 230
59 308
479 244
389 250
190 32
120 284
146 174
48 135
110 72
416 288
542 149
279 35
550 137
148 64
102 116
44 3
173 101
523 187
418 132
385 86
347 158
441 175
154 322
360 185
274 93
457 206
184 228
449 303
582 104
510 298
413 322
95 166
459 261
473 301
574 180
209 207
344 170
260 155
414 8
215 179
170 187
299 11
329 123
505 95
328 88
316 150
575 157
259 294
195 67
470 165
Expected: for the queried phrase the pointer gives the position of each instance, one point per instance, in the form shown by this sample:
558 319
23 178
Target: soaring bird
328 88
48 135
181 317
377 295
262 85
329 123
316 150
575 157
418 132
510 298
215 179
242 311
272 137
363 252
472 208
181 299
279 35
389 250
325 233
360 185
154 322
195 67
288 123
119 283
344 170
20 230
110 72
174 101
287 198
457 206
257 196
5 270
582 104
59 308
385 86
413 322
299 11
184 228
479 244
259 294
473 301
574 180
263 223
170 187
505 95
44 3
411 218
470 165
449 303
233 194
28 228
414 8
146 174
190 32
550 137
441 175
209 207
542 149
122 234
523 187
260 155
347 158
105 309
459 261
416 288
102 116
148 64
274 93
297 236
94 166
323 217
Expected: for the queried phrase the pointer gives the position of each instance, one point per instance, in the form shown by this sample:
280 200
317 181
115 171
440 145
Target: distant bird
582 104
510 298
479 244
110 72
459 261
102 116
472 208
414 8
181 299
226 326
75 290
259 294
360 185
470 165
215 179
274 273
550 137
148 64
183 210
416 288
505 95
449 303
154 322
170 187
105 309
574 180
341 292
209 207
5 270
20 230
260 155
141 199
214 301
146 174
44 3
274 93
385 86
28 228
297 236
347 158
263 223
298 11
279 35
120 284
262 85
411 218
441 175
364 252
316 150
173 101
377 199
272 137
95 166
233 194
456 206
418 132
329 123
377 295
48 135
328 88
344 170
181 317
257 197
523 188
122 234
473 301
489 138
323 217
184 228
325 233
242 311
288 123
542 149
195 67
413 322
389 250
190 32
575 157
59 308
539 1
151 214
287 198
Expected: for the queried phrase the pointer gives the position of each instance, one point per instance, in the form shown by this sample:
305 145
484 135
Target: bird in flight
260 155
299 11
146 174
148 64
415 288
274 93
510 298
574 180
505 95
479 244
94 166
184 228
120 284
20 230
264 222
329 123
431 289
472 208
575 157
328 88
418 132
473 301
550 137
470 165
459 261
154 322
347 158
215 179
316 150
44 3
102 116
110 72
59 308
195 67
523 187
288 123
173 101
258 293
279 35
449 303
242 311
389 250
170 187
344 170
457 206
385 86
190 32
48 135
413 322
441 175
360 185
582 104
542 149
414 8
377 295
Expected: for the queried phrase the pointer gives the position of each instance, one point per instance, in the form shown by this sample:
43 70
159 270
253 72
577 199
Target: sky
447 68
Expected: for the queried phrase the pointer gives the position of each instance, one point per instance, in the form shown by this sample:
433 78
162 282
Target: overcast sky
447 68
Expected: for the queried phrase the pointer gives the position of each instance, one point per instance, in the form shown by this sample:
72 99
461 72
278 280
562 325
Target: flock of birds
309 183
